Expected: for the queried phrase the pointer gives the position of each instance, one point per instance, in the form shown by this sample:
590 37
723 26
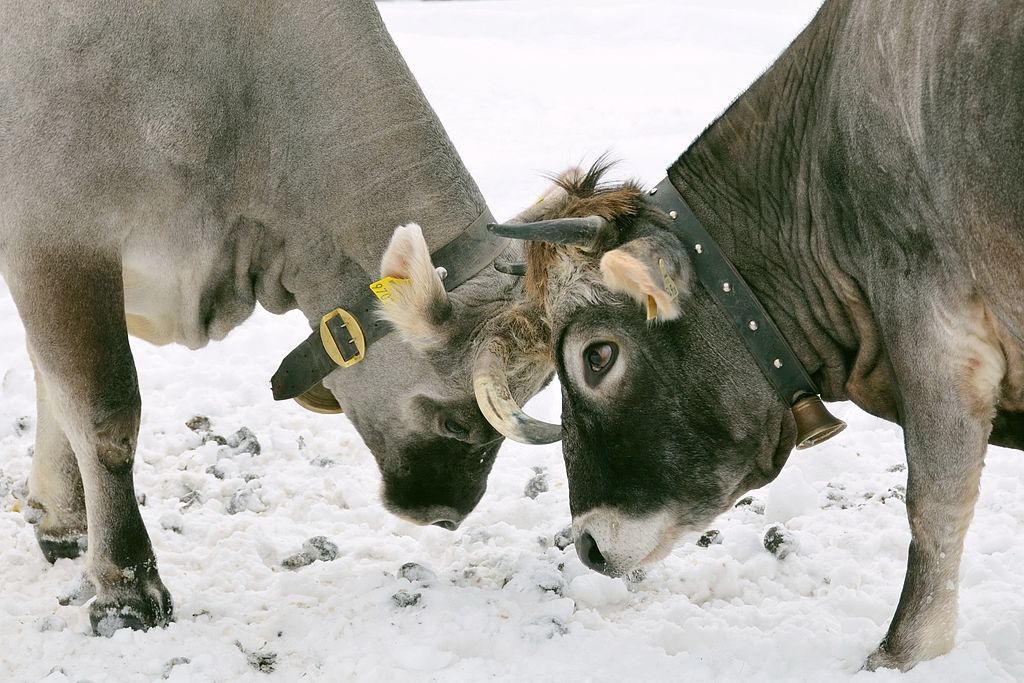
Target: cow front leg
73 311
55 486
949 370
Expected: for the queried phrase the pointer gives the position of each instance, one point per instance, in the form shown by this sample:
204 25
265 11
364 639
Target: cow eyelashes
598 358
455 430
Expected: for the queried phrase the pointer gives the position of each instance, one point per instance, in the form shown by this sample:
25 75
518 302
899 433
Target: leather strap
726 286
308 363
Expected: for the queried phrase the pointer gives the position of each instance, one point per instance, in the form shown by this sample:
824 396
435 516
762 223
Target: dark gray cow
166 166
869 189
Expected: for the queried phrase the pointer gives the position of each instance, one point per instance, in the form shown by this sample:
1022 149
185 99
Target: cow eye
455 430
598 358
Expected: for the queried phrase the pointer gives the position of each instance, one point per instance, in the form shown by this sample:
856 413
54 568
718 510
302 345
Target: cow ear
414 299
653 271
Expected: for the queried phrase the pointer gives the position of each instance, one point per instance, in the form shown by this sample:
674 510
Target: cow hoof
881 658
140 611
55 546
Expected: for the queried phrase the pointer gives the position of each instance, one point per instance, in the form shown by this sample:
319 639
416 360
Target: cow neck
391 163
750 181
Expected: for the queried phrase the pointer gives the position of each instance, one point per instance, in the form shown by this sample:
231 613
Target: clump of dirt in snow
538 484
261 659
416 573
778 541
316 548
709 538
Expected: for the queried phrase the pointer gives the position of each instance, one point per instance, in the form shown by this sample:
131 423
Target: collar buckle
342 338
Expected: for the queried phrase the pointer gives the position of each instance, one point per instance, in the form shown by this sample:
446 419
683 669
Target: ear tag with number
384 287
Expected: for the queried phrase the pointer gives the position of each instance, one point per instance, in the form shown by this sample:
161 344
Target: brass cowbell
319 399
814 424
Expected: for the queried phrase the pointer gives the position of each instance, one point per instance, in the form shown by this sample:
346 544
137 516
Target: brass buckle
342 338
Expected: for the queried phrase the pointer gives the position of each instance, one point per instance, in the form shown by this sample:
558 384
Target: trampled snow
523 88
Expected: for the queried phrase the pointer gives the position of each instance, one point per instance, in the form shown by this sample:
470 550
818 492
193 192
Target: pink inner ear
626 273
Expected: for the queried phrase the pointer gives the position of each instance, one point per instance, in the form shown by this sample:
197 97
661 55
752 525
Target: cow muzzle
613 543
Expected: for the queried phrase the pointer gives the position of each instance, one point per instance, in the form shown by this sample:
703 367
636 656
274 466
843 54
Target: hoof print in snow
538 484
898 467
406 599
6 484
322 548
244 441
550 580
190 499
174 661
709 538
140 498
637 575
899 492
778 541
22 425
172 521
563 539
244 500
51 623
550 627
835 497
20 490
322 461
200 424
416 573
260 659
754 504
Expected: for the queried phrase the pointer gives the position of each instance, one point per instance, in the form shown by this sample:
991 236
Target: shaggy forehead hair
563 277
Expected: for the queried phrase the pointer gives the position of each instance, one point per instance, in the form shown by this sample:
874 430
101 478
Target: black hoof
55 548
153 608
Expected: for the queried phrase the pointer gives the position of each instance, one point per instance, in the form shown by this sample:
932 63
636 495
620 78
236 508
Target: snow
523 88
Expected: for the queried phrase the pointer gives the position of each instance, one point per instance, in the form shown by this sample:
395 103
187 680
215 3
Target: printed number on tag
383 287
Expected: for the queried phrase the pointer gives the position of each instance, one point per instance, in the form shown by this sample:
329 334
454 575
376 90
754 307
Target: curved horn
490 384
587 233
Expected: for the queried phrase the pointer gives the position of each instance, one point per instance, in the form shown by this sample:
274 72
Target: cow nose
590 554
445 517
446 524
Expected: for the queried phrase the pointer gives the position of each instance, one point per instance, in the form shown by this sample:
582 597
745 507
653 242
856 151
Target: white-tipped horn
490 384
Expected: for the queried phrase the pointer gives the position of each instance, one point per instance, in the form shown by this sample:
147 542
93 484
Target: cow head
666 419
420 416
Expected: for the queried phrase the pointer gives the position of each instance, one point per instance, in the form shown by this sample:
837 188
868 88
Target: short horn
588 233
490 384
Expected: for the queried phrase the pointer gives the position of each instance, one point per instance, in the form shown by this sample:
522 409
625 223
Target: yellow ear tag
652 308
383 287
670 285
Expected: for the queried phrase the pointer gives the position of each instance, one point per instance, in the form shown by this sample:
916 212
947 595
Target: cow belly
152 302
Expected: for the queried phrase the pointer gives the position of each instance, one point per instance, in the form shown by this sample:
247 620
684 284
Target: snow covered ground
523 88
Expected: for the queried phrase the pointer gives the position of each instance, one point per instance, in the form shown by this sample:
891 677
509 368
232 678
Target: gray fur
868 187
180 162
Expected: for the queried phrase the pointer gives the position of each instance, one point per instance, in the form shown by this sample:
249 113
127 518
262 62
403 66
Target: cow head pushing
636 340
433 447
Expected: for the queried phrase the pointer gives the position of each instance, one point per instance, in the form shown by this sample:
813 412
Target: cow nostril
586 548
446 524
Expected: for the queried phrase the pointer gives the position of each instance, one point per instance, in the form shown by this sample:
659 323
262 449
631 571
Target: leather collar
720 278
346 333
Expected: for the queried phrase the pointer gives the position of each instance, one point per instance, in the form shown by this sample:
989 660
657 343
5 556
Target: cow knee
116 430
